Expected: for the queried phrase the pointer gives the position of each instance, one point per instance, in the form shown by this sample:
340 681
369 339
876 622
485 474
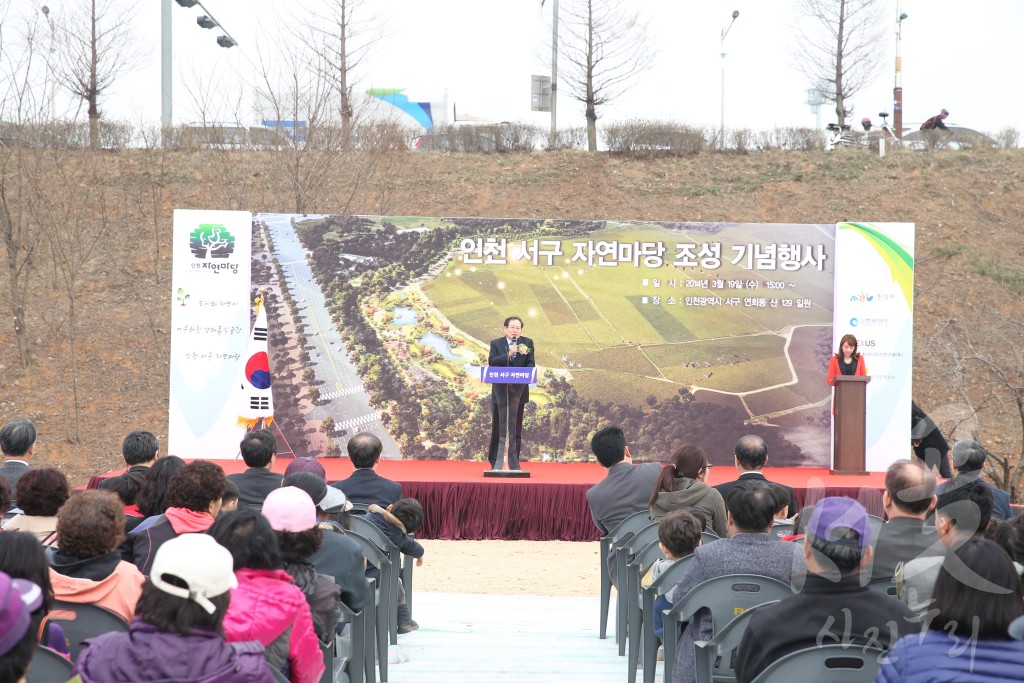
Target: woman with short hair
40 493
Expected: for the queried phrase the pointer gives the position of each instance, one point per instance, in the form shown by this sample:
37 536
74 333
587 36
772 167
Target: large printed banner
678 332
209 331
874 301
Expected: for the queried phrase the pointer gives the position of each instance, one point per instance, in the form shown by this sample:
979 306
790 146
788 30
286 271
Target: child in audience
401 519
782 525
230 500
678 535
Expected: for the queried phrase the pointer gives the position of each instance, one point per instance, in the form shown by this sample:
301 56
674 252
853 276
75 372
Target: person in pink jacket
266 606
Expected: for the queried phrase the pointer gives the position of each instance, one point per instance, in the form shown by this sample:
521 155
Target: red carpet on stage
551 505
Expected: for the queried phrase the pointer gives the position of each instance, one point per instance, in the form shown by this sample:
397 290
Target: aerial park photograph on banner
678 332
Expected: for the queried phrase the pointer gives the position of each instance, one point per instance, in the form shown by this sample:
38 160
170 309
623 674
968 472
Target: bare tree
985 362
840 47
605 46
343 32
97 47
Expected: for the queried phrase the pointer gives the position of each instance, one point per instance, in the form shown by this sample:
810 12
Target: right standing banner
874 301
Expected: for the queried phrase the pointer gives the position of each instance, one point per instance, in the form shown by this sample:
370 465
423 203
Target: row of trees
308 72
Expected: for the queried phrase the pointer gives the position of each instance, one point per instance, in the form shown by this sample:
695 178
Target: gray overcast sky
963 56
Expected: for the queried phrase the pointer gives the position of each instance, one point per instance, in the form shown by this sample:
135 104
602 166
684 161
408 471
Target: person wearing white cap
339 556
177 634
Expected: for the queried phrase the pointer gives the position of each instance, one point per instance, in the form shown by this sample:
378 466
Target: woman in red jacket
846 360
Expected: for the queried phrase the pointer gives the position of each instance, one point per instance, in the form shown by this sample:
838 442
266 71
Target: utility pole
553 136
725 32
897 91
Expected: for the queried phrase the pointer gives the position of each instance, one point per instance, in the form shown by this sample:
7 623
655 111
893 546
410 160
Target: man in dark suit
626 489
969 459
908 498
140 450
513 351
259 451
751 456
17 443
364 485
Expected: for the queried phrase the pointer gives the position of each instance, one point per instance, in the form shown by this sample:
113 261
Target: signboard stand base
507 474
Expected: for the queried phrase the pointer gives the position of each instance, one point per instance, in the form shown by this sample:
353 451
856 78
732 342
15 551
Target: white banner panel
874 301
209 330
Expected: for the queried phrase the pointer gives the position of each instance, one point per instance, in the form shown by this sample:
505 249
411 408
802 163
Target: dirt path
509 568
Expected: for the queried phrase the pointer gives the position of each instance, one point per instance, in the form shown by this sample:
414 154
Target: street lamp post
49 63
725 32
897 91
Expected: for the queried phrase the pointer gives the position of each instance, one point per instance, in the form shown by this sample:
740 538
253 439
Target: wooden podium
849 423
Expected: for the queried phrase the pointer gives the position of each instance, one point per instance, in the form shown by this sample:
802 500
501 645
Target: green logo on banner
211 241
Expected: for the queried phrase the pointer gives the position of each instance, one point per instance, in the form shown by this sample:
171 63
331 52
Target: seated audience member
678 535
977 595
961 514
908 498
177 634
969 459
140 451
40 494
626 488
18 600
87 569
5 499
364 485
751 457
834 605
782 526
749 550
266 606
681 484
17 444
292 514
22 557
194 499
259 451
306 464
229 501
152 497
401 518
339 556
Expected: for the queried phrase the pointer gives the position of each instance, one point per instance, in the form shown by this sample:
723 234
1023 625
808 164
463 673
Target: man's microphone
513 348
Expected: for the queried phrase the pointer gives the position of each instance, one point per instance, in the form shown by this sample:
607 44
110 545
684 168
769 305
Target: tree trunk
75 435
15 275
591 105
94 111
346 104
840 35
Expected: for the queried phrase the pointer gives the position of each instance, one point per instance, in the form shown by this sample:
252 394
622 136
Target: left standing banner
210 291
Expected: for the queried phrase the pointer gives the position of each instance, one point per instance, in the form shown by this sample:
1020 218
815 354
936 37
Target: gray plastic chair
648 642
624 529
278 676
48 666
635 571
715 658
382 607
725 596
81 622
832 663
876 526
623 598
708 537
368 529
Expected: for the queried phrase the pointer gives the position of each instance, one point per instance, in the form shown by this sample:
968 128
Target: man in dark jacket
259 451
507 400
364 485
17 443
969 458
833 607
140 450
751 456
936 121
908 498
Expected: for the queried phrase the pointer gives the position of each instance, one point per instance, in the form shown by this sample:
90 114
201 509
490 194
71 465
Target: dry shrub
637 137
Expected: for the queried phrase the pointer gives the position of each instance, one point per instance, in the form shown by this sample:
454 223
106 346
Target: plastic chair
327 651
81 622
708 537
648 641
48 666
876 526
714 658
351 647
832 663
630 546
625 528
380 640
368 529
635 571
725 596
887 586
278 676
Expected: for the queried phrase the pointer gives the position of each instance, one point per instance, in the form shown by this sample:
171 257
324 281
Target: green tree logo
211 241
